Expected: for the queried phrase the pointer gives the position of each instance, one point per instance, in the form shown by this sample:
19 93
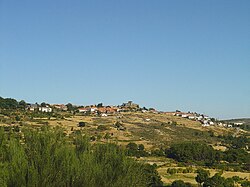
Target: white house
32 107
93 109
104 115
83 109
199 118
205 122
184 115
220 124
45 109
238 124
211 123
191 117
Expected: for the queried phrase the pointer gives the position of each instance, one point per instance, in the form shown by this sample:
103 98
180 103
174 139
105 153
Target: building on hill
93 109
60 107
31 107
83 109
238 124
45 109
130 105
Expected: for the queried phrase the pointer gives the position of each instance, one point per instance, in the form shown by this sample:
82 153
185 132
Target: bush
102 128
237 155
46 157
134 150
180 183
81 124
193 152
158 152
245 183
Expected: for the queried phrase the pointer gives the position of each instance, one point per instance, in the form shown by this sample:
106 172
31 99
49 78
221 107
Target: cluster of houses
205 120
126 107
230 125
36 107
105 110
46 107
93 109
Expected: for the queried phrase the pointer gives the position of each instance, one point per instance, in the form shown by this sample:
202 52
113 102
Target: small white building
93 109
83 109
31 107
191 117
206 117
238 124
199 118
104 115
211 123
45 109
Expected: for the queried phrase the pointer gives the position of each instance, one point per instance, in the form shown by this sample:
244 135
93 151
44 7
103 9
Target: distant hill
240 120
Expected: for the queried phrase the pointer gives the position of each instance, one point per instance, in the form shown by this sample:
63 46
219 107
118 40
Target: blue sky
187 55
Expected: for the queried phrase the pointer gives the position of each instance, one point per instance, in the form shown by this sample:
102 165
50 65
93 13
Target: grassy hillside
155 131
152 130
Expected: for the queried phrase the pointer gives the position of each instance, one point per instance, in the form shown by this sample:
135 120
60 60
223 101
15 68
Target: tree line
203 154
48 157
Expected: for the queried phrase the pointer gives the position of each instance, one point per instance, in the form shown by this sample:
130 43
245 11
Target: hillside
147 136
152 130
240 120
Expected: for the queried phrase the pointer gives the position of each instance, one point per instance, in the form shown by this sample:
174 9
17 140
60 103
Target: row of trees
203 179
194 152
202 154
47 157
8 103
235 142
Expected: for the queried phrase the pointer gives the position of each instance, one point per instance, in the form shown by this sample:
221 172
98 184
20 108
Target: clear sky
169 54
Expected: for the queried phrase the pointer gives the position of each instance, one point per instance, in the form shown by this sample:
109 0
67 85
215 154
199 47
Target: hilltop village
104 111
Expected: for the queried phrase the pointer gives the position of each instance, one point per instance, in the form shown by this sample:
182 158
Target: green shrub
46 157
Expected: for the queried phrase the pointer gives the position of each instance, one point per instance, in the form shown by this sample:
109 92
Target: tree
180 183
193 152
99 105
237 155
8 103
216 181
141 147
81 124
43 104
132 146
245 183
202 176
69 107
153 178
22 104
46 157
